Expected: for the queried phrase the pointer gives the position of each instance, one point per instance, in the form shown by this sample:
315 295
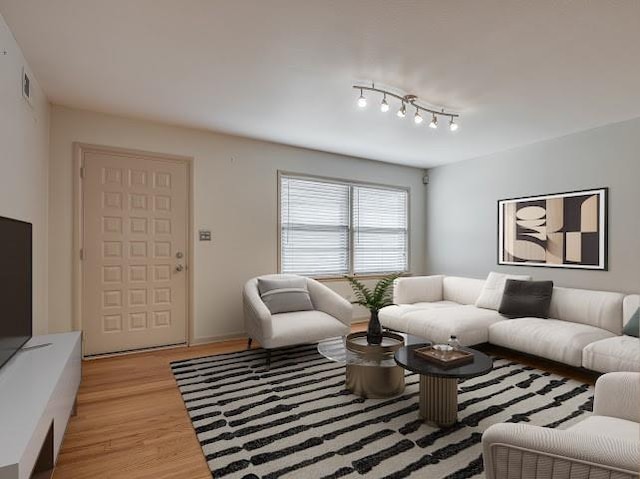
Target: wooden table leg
438 400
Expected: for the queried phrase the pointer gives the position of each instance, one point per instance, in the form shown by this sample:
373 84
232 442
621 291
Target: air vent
26 86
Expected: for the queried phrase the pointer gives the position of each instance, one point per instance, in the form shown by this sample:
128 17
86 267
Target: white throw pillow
491 294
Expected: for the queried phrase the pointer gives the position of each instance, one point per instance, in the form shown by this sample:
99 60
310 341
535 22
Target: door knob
179 268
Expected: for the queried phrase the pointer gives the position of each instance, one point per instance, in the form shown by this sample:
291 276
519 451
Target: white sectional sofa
584 329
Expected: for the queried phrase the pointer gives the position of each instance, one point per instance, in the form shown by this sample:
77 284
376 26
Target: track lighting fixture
362 101
384 106
405 100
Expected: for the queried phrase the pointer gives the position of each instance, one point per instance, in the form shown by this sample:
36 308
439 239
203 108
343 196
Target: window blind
331 228
314 218
380 230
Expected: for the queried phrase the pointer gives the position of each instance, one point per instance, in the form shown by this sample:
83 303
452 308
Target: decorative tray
444 359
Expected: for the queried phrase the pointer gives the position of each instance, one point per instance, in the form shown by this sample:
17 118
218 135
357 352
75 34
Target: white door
134 280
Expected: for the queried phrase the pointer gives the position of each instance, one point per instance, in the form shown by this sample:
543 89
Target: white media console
38 390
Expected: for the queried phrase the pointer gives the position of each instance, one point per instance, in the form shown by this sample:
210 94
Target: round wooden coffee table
439 386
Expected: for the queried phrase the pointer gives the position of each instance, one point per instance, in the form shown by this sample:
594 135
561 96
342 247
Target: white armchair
606 444
331 316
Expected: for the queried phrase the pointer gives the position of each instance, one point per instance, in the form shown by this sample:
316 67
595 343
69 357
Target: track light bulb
417 118
434 122
362 101
402 111
384 106
453 126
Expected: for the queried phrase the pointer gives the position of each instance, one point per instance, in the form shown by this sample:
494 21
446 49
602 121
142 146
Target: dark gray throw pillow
632 328
526 299
285 295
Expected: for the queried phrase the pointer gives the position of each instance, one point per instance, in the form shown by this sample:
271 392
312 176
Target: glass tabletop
335 349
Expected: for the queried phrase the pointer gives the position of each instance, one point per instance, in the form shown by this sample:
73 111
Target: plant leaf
363 294
381 296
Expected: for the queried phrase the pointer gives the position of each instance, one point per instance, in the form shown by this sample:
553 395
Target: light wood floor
131 421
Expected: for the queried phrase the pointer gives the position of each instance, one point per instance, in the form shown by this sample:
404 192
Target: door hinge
81 253
82 172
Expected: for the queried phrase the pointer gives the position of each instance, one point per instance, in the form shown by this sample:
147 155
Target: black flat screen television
15 286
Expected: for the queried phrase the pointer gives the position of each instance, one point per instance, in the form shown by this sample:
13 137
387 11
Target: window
333 228
314 233
379 230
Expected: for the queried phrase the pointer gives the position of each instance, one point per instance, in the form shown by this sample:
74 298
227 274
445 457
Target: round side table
371 371
439 386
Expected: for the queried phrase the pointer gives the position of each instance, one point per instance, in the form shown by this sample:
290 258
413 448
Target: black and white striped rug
296 420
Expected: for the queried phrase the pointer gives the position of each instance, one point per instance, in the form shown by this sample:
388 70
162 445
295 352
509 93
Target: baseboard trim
218 338
243 335
360 320
91 357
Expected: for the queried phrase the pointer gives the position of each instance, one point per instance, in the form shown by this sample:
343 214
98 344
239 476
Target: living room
199 199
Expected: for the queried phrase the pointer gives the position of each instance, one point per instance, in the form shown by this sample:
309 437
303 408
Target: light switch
205 235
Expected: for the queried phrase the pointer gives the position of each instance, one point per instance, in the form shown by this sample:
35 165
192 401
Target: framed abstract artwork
564 230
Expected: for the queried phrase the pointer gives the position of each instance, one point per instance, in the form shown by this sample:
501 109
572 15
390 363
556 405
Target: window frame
351 184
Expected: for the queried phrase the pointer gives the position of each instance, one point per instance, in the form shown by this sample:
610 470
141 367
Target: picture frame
560 230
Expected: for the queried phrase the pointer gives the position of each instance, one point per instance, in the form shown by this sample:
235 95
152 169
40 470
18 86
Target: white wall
462 203
235 195
24 155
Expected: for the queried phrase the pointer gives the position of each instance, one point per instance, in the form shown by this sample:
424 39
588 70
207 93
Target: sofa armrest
417 289
618 395
257 317
328 301
512 451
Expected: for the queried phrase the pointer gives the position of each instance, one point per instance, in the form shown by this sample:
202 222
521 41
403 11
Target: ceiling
281 70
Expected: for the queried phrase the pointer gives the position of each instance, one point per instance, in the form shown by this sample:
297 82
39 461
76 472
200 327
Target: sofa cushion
601 309
468 323
392 317
461 290
433 305
526 298
284 295
620 353
491 294
553 339
304 327
608 426
417 289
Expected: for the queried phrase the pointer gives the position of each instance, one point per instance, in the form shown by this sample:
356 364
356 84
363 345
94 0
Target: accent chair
605 444
330 317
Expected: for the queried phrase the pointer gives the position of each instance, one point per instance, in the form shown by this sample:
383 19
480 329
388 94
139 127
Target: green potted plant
374 300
